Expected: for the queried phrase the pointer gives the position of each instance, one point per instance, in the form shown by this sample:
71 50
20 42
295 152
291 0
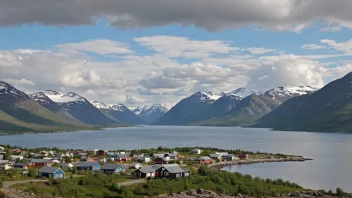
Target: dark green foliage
340 192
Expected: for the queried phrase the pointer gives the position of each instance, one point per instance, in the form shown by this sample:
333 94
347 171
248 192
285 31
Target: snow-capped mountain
242 92
46 102
119 112
8 90
207 97
151 113
78 106
187 109
282 94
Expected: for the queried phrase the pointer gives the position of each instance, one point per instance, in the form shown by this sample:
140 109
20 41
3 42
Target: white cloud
286 70
312 46
343 46
100 46
258 50
134 100
172 46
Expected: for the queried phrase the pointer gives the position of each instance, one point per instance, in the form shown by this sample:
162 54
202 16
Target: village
54 164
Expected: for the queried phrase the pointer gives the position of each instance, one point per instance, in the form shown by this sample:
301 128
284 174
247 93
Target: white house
135 165
145 159
197 151
5 165
15 157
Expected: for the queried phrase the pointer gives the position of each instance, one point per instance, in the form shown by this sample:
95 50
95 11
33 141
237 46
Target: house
205 160
92 166
222 155
197 151
171 171
2 155
2 149
135 165
24 152
23 166
243 156
44 153
66 166
215 156
101 152
174 171
122 157
173 156
53 172
16 151
58 156
15 157
87 160
231 157
5 165
147 172
40 162
145 159
112 168
79 154
161 160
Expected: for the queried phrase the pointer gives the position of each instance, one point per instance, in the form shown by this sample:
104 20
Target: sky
141 52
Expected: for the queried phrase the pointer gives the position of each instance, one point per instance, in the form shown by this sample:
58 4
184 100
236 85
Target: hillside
328 109
151 113
188 109
245 112
20 113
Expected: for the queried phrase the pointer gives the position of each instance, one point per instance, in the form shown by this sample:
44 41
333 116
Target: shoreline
221 165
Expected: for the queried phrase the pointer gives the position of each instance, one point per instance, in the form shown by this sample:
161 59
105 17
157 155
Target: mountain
20 113
281 94
119 112
328 109
151 113
80 108
255 105
243 92
46 102
187 109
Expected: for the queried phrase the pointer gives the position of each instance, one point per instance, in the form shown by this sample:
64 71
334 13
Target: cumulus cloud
285 71
100 46
134 100
343 46
293 15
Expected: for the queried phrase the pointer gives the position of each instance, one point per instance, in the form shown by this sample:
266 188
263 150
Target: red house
243 156
122 157
101 152
40 162
205 160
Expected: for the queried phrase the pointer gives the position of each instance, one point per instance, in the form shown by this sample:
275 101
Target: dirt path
132 182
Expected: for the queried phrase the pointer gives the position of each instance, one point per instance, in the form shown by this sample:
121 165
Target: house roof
4 161
205 158
149 169
20 164
111 166
65 164
86 164
48 169
230 155
173 168
40 160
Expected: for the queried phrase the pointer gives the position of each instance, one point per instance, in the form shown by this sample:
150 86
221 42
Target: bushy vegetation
97 185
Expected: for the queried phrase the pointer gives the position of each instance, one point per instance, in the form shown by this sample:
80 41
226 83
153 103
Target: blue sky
170 50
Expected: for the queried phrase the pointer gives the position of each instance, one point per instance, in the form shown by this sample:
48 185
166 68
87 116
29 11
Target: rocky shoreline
201 193
221 165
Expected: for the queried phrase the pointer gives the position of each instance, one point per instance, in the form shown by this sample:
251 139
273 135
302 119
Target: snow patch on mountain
118 107
243 92
6 88
40 97
207 97
99 105
289 91
59 97
149 109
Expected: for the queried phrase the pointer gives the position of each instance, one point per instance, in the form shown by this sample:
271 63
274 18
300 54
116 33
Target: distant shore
221 165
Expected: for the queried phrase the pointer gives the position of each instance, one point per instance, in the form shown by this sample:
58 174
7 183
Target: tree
340 192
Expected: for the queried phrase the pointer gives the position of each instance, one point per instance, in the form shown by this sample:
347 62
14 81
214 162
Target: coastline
221 165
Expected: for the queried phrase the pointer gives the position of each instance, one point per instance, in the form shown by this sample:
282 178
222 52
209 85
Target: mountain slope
19 112
82 109
151 113
245 112
187 109
46 102
328 109
119 112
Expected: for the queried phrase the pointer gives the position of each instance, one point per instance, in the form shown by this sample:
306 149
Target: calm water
332 152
